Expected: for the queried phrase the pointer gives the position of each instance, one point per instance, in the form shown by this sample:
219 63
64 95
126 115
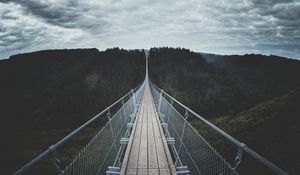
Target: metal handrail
52 148
241 145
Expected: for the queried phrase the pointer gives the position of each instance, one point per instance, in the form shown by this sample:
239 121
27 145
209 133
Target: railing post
124 110
186 115
55 160
111 129
169 113
133 101
159 101
238 157
118 159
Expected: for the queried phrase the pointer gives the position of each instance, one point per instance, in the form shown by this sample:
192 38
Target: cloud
220 26
21 32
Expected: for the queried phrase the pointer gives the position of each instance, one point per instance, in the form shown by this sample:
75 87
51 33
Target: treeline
65 85
201 86
265 76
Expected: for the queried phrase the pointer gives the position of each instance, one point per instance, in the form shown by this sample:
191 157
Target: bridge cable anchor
55 159
238 158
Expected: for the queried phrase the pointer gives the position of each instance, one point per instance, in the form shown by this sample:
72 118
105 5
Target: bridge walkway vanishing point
147 151
147 131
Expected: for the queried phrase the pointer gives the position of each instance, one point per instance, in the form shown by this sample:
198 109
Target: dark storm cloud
21 32
232 26
11 37
58 15
66 13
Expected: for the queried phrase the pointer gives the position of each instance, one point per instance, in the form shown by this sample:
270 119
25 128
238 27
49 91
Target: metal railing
102 150
191 149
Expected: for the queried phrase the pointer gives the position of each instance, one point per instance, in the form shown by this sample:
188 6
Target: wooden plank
142 171
129 147
164 142
131 171
152 159
153 171
147 152
134 153
143 154
164 172
161 156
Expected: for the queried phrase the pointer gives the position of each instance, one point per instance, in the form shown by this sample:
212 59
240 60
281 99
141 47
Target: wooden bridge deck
147 151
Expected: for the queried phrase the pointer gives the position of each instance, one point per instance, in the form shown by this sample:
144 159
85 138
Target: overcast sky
214 26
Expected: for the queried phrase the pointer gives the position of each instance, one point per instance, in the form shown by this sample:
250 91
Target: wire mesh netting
197 141
190 148
192 140
105 149
94 146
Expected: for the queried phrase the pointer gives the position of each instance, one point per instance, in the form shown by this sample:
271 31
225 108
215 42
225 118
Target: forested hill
55 84
217 85
43 95
267 76
271 128
253 97
203 87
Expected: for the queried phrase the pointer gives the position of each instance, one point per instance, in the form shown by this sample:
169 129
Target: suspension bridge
147 131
